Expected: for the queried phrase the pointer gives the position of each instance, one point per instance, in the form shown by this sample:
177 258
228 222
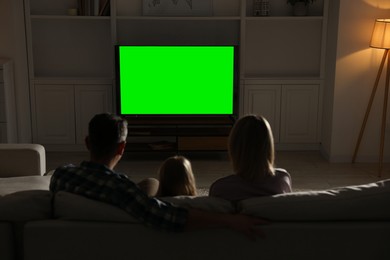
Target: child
176 178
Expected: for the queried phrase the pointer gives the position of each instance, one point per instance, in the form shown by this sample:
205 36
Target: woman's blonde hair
176 177
251 147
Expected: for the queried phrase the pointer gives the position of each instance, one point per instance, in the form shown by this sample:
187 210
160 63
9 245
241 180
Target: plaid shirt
96 181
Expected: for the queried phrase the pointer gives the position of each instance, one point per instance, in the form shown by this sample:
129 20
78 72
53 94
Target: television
184 80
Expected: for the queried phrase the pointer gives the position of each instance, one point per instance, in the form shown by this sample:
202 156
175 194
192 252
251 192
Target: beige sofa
16 162
343 223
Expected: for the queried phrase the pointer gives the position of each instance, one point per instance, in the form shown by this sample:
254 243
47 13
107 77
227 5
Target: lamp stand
383 128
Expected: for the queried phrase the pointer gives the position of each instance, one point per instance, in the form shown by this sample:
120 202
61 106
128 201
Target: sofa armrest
22 160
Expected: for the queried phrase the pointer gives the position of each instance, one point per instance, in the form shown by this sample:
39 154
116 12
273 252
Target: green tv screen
176 80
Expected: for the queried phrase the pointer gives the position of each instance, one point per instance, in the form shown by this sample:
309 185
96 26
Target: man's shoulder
65 168
84 166
89 171
64 172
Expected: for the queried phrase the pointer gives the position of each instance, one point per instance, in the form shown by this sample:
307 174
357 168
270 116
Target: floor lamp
380 39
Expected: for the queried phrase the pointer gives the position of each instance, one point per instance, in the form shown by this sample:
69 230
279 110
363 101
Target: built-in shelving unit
71 60
8 133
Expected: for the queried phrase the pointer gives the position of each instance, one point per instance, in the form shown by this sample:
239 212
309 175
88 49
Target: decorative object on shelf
72 11
177 7
104 8
163 145
381 40
260 7
300 7
93 7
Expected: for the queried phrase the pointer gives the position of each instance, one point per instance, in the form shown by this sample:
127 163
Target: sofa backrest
359 202
68 206
362 202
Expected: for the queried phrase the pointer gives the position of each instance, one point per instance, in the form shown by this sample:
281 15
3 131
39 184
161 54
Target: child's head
251 147
176 177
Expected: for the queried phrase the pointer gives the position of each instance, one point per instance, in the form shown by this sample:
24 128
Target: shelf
68 17
148 147
283 18
71 80
202 143
281 80
190 18
183 144
180 131
216 18
179 120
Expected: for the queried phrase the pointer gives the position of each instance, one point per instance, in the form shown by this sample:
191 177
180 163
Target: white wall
356 68
12 46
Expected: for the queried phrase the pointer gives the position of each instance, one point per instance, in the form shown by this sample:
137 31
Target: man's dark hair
105 132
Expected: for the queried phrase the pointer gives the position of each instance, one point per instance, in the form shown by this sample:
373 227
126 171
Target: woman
251 151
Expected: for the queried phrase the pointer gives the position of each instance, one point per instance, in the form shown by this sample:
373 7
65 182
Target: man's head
106 135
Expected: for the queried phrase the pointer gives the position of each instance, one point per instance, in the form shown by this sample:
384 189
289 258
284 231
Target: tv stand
178 134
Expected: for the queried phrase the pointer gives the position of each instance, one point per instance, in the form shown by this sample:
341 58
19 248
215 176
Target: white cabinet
299 115
62 111
90 100
264 100
54 114
291 109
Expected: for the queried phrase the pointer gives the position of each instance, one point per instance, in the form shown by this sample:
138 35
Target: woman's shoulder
225 182
231 187
225 179
283 178
280 172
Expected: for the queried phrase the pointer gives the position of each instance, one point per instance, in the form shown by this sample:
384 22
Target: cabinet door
55 121
264 100
299 114
90 100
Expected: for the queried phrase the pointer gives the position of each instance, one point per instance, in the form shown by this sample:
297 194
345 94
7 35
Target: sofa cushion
15 184
202 202
69 206
25 206
360 202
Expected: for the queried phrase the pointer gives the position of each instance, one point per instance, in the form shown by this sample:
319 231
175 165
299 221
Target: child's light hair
176 177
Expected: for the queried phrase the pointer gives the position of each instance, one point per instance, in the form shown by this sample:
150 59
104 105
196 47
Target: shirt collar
96 166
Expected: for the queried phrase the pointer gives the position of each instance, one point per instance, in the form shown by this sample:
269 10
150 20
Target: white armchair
22 160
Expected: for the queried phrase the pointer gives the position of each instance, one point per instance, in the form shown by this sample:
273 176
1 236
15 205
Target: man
96 179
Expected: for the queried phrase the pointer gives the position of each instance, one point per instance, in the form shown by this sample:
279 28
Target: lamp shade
381 34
